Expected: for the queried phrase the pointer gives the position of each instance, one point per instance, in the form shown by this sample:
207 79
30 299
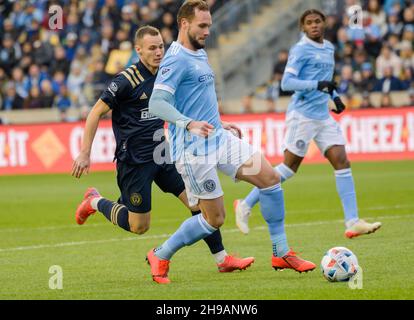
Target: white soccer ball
339 264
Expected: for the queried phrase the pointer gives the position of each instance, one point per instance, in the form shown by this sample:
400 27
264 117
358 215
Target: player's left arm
340 106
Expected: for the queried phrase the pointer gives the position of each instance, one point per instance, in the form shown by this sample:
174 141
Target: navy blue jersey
137 132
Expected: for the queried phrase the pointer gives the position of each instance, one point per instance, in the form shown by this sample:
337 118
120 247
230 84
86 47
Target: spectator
331 30
63 102
47 94
387 59
366 102
346 85
394 25
11 100
389 82
376 15
75 82
58 81
18 79
33 101
10 53
59 62
386 101
368 80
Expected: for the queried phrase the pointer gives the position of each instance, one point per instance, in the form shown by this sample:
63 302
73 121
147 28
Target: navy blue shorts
135 183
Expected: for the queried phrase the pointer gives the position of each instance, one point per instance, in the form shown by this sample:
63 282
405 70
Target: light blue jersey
187 75
311 61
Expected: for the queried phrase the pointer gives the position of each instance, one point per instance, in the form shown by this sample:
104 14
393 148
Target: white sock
94 202
220 256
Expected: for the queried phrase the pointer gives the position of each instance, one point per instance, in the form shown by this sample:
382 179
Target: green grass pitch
101 261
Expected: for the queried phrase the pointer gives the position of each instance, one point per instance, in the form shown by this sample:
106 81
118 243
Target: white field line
97 225
160 236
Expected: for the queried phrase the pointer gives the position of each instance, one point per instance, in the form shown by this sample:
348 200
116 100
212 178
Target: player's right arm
111 98
291 81
82 162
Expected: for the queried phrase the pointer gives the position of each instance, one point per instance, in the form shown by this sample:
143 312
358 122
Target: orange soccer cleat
159 268
85 209
291 261
232 263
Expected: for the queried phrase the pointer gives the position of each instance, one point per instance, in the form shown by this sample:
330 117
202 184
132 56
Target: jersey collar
144 70
313 43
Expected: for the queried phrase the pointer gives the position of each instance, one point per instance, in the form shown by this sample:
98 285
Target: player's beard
197 45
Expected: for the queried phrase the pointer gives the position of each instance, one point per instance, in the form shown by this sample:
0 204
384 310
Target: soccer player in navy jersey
309 73
138 134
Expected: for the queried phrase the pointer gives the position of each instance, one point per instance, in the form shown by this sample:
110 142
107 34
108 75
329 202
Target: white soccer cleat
242 215
361 227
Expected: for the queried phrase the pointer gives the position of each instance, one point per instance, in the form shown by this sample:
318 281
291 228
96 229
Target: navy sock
214 240
115 212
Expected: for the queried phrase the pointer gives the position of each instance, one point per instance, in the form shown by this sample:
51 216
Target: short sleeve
296 61
171 74
116 91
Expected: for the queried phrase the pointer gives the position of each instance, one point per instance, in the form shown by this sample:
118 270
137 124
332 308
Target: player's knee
139 229
216 222
269 180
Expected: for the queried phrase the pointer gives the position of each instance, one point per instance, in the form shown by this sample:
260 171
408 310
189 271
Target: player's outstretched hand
200 128
235 130
327 86
81 165
340 107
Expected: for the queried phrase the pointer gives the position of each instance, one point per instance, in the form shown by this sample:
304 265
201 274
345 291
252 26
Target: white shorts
200 172
300 130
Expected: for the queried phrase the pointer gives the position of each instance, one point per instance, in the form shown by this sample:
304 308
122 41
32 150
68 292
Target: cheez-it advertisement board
372 135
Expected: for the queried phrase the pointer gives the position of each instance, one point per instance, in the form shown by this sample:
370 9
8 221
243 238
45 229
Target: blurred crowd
377 58
44 67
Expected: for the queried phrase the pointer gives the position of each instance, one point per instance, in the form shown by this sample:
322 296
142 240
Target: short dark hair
141 32
187 10
308 13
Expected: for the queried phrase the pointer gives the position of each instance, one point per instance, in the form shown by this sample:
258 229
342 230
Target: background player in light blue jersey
309 73
184 95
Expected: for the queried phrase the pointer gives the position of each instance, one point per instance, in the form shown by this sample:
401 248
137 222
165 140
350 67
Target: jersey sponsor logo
165 71
135 199
206 77
146 115
209 185
143 96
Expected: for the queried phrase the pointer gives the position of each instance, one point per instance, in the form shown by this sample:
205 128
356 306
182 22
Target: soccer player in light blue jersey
184 95
309 73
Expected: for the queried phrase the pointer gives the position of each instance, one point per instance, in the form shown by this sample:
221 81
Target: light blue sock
285 173
346 190
272 206
190 231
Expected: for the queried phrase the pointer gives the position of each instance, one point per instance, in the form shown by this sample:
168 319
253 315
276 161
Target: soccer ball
339 264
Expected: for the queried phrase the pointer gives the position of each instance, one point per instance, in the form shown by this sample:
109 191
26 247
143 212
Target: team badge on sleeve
165 71
113 88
